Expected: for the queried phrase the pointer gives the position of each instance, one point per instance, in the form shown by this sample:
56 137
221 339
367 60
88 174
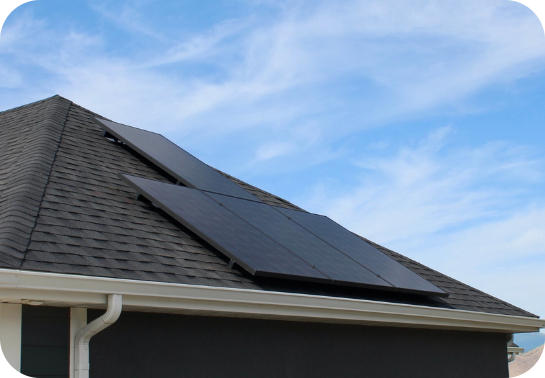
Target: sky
419 125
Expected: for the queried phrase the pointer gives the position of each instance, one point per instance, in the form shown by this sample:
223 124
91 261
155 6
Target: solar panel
336 265
174 160
361 251
248 247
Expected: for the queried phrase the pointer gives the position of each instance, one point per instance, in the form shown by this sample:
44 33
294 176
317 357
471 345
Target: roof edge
16 286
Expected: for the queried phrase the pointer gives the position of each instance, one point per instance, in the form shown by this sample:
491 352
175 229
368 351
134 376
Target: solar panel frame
402 278
197 174
174 200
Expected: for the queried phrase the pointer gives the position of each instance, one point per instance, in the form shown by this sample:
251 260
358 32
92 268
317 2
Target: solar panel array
264 240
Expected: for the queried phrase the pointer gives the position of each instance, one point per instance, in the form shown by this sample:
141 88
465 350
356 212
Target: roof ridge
32 135
31 104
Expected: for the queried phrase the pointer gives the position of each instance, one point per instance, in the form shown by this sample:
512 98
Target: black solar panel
308 247
361 251
174 160
248 247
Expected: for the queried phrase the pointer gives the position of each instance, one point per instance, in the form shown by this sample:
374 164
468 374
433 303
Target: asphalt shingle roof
63 209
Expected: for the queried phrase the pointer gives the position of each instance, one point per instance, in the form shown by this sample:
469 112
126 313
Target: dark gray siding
144 345
45 341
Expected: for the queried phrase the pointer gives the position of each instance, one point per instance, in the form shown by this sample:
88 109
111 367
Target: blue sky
419 125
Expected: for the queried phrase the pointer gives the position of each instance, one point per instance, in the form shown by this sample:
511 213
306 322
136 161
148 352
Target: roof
64 209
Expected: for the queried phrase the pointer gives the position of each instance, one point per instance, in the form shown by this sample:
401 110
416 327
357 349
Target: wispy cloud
430 188
377 60
202 47
127 16
15 35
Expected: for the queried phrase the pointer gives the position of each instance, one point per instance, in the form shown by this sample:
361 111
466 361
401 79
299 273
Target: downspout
81 344
511 355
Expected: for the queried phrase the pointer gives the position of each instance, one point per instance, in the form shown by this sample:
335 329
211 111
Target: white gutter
81 352
85 291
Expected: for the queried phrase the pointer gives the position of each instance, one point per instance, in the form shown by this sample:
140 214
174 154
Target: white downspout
510 356
81 344
512 351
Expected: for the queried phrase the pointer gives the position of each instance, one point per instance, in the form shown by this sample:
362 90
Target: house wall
142 345
45 341
10 333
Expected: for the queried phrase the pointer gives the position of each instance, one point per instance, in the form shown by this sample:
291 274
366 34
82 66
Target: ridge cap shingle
30 135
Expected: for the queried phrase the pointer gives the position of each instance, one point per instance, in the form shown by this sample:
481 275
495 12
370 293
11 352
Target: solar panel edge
293 277
100 122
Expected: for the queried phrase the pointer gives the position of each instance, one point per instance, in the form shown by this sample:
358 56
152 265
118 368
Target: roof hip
25 167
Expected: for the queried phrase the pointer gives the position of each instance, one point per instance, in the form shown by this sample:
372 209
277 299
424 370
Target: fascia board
87 291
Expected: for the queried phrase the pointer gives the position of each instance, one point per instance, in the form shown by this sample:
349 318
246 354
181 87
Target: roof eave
91 292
